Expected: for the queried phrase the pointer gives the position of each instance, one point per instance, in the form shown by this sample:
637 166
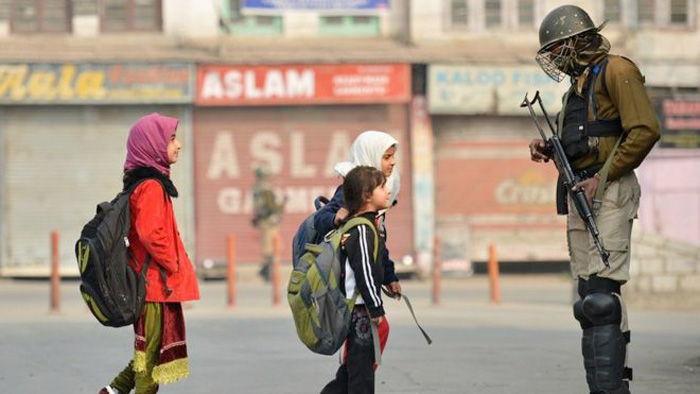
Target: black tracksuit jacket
358 253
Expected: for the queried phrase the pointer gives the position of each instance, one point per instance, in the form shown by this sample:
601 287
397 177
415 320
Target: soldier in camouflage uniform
267 214
607 127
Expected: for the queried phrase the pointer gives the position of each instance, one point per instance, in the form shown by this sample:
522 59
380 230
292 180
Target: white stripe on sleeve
367 268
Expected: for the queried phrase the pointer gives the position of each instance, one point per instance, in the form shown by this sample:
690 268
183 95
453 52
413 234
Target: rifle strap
603 174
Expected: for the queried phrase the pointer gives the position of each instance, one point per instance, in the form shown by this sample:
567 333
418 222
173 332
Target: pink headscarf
147 145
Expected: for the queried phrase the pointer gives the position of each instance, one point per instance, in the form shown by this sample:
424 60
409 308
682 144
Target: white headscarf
368 150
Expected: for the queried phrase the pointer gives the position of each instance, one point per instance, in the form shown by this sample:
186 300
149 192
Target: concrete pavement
528 344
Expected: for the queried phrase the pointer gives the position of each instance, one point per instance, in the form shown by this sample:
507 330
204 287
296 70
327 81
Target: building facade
444 76
487 191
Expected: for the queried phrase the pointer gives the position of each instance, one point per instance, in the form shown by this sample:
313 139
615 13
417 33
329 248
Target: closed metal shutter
300 145
60 162
488 191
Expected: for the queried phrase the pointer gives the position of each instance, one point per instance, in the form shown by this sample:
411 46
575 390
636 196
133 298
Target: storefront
670 198
487 189
63 130
297 122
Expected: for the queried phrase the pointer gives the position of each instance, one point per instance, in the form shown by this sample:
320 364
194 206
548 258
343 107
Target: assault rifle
556 151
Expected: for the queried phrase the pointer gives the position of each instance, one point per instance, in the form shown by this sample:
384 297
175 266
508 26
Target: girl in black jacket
365 194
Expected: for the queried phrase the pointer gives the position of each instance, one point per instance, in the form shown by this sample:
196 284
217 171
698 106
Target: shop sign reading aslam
313 84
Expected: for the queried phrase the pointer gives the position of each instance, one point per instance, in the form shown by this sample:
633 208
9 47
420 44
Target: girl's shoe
109 390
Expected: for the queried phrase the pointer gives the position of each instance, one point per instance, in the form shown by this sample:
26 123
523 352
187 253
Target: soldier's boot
604 345
604 351
265 269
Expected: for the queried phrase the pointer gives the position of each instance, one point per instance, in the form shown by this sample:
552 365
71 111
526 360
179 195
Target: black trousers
356 374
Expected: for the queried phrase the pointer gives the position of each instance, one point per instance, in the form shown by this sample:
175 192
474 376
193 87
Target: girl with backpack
374 149
365 194
160 350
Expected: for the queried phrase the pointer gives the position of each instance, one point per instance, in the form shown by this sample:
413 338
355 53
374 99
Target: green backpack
321 311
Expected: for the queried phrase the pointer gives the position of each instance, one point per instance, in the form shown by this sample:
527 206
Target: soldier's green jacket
623 96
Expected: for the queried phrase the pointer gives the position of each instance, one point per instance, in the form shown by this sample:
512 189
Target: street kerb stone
681 265
664 283
690 283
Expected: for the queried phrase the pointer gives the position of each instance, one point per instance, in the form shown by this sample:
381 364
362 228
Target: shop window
645 12
679 12
507 15
249 25
492 14
363 25
459 13
40 16
612 11
665 13
526 13
131 16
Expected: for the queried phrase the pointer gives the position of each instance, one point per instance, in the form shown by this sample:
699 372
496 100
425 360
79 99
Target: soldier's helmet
557 33
260 173
564 22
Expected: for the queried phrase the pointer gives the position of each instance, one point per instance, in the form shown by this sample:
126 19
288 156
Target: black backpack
114 292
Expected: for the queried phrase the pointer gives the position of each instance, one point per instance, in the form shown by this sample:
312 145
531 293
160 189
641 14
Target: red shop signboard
222 85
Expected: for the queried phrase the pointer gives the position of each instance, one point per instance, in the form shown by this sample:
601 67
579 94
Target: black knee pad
580 316
602 309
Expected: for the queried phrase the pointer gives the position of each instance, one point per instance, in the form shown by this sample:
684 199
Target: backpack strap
375 339
320 202
146 264
350 224
346 227
356 221
163 273
410 309
140 181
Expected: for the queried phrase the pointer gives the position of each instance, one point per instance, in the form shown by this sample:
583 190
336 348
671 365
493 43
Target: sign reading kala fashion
316 5
489 90
313 84
95 83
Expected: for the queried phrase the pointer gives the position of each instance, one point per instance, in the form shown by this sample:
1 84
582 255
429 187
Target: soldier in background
607 127
267 214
